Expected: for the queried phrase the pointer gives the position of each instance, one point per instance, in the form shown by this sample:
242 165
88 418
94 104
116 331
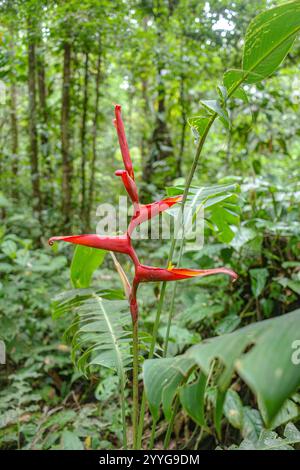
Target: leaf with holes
260 353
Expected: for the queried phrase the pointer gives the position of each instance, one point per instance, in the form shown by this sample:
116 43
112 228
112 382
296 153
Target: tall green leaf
85 261
269 37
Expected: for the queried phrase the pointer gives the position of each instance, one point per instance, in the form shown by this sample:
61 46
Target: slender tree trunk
161 154
83 140
43 112
145 112
14 138
183 126
94 137
14 126
33 139
67 168
159 167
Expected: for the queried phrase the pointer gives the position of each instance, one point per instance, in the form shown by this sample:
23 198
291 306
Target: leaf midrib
113 336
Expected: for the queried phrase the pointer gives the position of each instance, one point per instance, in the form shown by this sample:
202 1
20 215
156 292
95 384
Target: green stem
135 382
166 342
150 356
151 443
171 424
171 310
122 399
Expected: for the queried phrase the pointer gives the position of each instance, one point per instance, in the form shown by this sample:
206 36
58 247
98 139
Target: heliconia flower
147 211
123 141
119 244
149 273
130 186
122 243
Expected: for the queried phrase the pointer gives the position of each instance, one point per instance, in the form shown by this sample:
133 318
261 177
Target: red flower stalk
123 141
122 244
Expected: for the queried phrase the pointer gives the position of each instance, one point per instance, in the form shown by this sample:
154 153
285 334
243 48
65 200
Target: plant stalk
135 382
122 399
171 424
152 437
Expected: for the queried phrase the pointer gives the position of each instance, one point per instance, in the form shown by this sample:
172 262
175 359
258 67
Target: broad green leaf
233 409
233 79
252 424
242 236
9 248
70 441
269 440
192 399
259 278
266 367
292 433
85 261
269 37
161 375
288 412
230 79
290 283
218 411
228 324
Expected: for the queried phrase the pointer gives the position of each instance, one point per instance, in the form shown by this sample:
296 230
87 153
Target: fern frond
99 332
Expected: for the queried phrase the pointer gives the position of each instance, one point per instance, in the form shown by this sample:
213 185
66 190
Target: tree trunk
67 169
183 126
145 106
43 112
14 126
83 140
94 138
33 140
159 167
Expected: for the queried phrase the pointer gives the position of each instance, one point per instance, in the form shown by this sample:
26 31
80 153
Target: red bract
123 141
123 244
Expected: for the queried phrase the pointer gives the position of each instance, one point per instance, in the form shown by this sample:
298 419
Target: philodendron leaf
261 353
85 261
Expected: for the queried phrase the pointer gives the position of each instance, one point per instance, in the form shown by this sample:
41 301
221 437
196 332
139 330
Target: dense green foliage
62 65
